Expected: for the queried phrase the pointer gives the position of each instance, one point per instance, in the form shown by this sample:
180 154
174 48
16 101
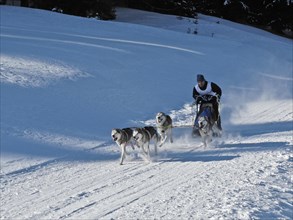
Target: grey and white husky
207 125
164 127
123 137
205 129
143 137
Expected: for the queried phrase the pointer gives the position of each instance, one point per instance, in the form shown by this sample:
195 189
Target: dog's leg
204 140
132 145
137 143
122 153
156 147
171 136
159 138
207 140
146 149
210 139
216 131
163 139
143 149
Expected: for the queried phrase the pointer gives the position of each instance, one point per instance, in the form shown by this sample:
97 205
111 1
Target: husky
164 127
206 124
143 137
123 137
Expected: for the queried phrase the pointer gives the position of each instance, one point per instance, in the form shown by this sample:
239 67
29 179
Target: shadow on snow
30 148
102 151
259 129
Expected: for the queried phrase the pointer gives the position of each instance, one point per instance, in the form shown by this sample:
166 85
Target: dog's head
160 118
116 134
137 135
203 124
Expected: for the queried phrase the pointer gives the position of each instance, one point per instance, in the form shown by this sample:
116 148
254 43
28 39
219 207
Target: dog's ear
159 113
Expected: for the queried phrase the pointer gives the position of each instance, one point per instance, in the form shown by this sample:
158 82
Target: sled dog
205 129
206 124
143 137
164 127
123 137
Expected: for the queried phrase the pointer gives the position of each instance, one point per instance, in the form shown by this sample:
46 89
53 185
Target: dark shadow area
258 129
21 146
220 152
54 154
195 157
250 147
243 130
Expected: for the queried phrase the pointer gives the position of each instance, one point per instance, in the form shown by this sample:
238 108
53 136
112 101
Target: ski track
78 37
236 177
73 190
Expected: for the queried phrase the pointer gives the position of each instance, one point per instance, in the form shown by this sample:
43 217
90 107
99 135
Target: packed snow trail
236 179
67 81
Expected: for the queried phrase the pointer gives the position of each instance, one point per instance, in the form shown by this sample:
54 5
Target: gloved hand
214 99
199 99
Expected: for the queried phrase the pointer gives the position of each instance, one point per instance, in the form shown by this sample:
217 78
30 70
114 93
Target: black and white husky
205 129
207 125
143 137
164 127
123 137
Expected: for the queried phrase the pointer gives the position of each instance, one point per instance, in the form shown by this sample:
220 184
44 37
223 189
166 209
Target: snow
67 81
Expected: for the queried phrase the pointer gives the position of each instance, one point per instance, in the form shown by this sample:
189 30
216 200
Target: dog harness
124 137
148 133
206 113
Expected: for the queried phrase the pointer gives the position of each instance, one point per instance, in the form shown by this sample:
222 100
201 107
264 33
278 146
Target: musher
202 88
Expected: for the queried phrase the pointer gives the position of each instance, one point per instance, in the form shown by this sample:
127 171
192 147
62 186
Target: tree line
273 15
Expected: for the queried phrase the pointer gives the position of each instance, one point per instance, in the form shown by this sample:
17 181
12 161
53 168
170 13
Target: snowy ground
67 81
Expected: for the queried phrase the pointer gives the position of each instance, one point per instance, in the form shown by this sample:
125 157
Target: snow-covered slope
67 81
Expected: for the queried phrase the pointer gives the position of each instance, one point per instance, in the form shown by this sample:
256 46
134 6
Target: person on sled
202 88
